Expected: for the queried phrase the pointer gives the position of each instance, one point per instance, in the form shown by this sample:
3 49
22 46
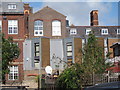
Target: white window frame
56 28
0 25
36 47
88 30
12 6
69 49
38 28
73 31
104 31
12 26
13 71
118 31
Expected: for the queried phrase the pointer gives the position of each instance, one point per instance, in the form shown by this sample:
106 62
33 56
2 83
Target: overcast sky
78 12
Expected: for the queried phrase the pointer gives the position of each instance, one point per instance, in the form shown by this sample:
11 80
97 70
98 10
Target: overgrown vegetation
93 63
70 78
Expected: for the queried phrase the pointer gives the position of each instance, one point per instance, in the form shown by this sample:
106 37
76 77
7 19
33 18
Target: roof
4 7
47 7
96 26
115 45
81 31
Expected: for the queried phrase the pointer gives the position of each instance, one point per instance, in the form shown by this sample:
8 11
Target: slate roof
115 45
4 8
81 31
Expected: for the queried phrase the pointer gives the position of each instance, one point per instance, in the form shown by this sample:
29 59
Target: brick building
49 21
45 38
48 44
13 19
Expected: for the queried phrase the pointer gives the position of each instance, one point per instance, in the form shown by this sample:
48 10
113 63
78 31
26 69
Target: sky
78 11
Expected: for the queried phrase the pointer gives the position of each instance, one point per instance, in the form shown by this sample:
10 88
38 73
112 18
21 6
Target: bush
70 78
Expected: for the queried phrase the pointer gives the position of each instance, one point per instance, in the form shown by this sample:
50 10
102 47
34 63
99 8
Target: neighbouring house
115 61
13 23
116 49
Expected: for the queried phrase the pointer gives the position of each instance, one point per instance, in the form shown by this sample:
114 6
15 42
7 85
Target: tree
10 52
93 58
70 77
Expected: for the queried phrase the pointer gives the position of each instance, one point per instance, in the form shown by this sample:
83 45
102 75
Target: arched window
38 28
56 28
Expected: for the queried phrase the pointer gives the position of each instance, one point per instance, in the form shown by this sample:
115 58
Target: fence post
93 79
108 76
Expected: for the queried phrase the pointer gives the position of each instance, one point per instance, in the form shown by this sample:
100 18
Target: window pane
12 6
69 53
73 31
36 49
104 31
69 48
118 31
37 54
13 75
11 68
36 32
38 28
56 28
69 44
88 30
13 26
15 68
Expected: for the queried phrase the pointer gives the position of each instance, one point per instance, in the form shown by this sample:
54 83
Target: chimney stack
94 18
27 12
27 9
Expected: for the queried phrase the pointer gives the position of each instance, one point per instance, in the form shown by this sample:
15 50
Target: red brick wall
17 38
21 31
47 15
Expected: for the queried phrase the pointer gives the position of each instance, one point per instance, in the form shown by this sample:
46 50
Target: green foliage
93 60
70 78
10 52
78 75
108 55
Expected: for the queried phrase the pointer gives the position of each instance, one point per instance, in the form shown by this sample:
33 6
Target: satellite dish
48 69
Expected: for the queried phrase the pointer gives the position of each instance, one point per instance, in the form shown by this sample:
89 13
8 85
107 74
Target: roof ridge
49 8
95 26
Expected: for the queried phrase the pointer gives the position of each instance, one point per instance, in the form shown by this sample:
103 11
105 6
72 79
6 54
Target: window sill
12 34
